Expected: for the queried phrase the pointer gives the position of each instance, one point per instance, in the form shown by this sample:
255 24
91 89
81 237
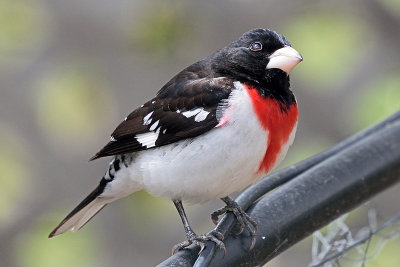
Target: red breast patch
276 121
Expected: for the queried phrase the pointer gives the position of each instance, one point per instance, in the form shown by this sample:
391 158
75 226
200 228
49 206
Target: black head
256 57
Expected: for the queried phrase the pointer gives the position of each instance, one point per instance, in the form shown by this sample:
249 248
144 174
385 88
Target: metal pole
313 193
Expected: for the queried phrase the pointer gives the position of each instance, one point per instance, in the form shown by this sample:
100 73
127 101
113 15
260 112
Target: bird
215 128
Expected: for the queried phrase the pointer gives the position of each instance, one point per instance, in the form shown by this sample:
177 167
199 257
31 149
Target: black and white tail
79 216
114 185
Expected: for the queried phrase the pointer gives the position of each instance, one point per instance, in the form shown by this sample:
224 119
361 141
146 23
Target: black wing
184 108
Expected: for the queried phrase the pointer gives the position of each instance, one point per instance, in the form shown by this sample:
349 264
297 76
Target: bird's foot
244 220
200 240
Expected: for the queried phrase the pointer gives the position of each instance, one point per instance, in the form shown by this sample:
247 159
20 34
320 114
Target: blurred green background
70 71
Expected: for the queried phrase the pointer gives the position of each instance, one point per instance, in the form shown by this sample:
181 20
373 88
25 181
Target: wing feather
183 108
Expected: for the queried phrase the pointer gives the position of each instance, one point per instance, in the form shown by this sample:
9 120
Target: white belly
213 165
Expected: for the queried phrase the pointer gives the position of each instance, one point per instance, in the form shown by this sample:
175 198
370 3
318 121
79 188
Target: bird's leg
245 221
192 238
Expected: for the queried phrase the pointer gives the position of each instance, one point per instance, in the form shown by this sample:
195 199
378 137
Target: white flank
191 113
146 119
201 116
154 126
148 139
112 139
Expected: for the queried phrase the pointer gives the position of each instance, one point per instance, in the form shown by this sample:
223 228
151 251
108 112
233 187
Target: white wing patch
199 113
154 126
146 119
191 113
201 116
148 139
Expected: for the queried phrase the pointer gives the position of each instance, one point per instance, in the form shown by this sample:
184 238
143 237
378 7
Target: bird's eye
256 46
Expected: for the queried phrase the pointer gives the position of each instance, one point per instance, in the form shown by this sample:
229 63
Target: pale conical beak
285 58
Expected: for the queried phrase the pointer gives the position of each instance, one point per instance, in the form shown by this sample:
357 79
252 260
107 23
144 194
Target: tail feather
89 214
79 216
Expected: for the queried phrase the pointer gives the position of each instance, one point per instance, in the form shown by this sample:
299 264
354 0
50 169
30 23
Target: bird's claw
215 215
244 220
200 240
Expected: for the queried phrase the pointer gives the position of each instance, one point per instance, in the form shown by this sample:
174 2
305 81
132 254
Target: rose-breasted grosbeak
216 127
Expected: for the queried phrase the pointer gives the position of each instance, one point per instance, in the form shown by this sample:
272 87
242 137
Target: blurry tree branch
312 193
338 242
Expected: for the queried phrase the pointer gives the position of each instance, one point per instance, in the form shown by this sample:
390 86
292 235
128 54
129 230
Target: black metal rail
311 194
